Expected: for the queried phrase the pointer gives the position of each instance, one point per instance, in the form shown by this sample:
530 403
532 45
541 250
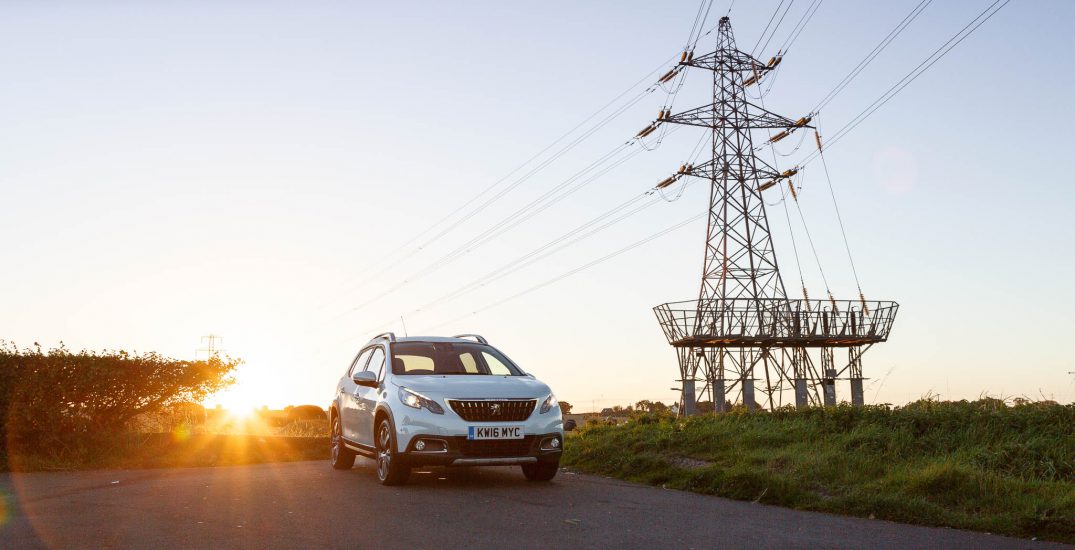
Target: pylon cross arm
725 60
717 169
708 117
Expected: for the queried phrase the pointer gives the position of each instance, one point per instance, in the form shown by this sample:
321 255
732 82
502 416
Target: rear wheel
390 470
342 457
541 471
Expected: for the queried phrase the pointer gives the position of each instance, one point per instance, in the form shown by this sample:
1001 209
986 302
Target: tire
542 471
390 469
342 457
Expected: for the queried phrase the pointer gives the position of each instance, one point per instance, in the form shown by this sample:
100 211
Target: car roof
435 339
432 339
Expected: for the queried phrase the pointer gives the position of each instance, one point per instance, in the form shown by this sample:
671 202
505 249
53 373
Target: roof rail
475 336
390 336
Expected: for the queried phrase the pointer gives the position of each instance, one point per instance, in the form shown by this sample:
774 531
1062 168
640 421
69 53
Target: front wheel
390 470
342 457
541 471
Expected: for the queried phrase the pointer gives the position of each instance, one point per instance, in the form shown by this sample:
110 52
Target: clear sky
171 169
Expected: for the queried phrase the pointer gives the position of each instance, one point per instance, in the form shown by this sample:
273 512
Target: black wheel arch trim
381 407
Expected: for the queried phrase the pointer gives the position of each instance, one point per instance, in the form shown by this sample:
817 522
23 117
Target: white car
419 401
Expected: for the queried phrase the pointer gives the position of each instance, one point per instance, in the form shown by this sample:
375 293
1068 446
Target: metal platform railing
746 322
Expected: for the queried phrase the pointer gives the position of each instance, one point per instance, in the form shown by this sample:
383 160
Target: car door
366 400
346 396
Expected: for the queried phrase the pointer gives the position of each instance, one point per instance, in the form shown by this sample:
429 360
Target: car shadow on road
471 478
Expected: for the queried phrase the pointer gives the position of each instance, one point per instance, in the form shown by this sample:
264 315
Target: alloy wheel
336 436
384 451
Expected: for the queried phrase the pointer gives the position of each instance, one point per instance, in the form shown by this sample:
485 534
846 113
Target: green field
980 465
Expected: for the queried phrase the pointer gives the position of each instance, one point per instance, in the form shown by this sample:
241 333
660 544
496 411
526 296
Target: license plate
494 432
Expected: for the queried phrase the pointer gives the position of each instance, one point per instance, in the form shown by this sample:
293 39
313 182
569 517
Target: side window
360 363
469 364
376 363
495 366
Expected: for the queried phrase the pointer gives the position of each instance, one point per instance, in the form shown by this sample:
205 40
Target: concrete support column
828 386
856 392
720 397
802 399
689 408
748 394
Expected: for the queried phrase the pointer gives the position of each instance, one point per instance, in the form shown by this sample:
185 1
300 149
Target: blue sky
174 169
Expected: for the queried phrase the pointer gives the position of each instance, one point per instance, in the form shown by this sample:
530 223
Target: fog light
420 446
550 444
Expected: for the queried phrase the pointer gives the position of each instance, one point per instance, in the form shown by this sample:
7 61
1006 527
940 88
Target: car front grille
493 448
482 410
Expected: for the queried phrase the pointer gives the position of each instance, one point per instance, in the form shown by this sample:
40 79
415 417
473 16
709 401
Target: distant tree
305 412
565 407
651 406
52 396
705 406
618 410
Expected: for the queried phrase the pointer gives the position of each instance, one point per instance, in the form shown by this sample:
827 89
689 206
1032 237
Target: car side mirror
365 378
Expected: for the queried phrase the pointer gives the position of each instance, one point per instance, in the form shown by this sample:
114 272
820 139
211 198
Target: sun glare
239 402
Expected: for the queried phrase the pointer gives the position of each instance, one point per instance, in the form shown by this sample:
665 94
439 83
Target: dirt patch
688 463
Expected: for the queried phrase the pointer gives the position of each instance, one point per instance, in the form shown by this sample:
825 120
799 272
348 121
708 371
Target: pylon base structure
728 344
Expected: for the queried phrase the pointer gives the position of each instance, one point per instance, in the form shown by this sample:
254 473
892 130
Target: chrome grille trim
493 410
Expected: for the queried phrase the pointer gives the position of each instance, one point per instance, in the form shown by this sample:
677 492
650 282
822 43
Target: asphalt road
307 505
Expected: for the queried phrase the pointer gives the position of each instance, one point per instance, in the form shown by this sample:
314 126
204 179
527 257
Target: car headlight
419 401
549 403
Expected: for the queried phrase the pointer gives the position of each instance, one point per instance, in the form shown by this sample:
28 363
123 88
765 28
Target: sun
239 402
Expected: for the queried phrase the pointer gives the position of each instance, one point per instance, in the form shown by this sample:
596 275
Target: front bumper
459 451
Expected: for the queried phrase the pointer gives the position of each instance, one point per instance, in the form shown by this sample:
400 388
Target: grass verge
979 465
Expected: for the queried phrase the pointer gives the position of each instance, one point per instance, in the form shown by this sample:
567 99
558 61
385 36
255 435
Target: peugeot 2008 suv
418 401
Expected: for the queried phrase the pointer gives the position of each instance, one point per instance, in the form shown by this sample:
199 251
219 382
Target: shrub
305 412
55 398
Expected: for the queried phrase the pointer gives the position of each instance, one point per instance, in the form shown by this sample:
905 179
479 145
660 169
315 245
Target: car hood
477 387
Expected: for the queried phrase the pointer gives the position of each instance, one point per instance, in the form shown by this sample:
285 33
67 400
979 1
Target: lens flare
181 433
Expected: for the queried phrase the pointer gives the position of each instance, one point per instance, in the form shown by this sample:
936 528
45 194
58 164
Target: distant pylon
210 349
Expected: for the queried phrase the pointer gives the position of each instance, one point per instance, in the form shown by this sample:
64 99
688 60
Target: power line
508 222
390 262
565 240
775 28
910 77
840 220
880 47
579 269
798 28
767 25
536 255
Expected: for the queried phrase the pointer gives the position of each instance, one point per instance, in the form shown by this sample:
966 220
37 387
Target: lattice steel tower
743 327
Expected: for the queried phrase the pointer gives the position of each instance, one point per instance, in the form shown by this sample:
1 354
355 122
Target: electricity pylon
743 325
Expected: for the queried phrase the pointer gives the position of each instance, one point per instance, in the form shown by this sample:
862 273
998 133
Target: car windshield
450 358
